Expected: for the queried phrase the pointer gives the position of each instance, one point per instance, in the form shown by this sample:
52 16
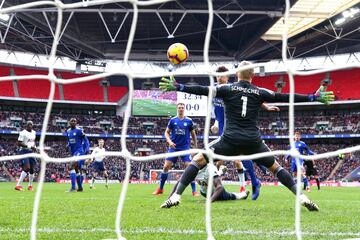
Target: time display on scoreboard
195 105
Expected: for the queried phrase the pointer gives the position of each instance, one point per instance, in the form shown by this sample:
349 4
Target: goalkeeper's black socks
286 179
188 176
317 183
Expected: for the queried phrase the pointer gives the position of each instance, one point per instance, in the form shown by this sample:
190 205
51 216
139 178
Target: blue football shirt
219 113
180 132
303 149
75 140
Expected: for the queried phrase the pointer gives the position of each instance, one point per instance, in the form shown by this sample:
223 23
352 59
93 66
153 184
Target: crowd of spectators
141 170
309 122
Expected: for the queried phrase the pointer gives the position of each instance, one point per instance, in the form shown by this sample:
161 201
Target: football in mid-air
177 53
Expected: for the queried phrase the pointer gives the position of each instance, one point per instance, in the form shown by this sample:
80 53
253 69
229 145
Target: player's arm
286 158
169 84
270 108
309 152
218 189
92 158
168 139
86 143
68 142
193 136
215 127
271 96
313 163
21 140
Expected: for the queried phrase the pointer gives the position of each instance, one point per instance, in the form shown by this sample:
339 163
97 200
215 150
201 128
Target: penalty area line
230 232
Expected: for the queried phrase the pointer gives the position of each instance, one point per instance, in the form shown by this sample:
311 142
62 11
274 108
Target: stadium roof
101 32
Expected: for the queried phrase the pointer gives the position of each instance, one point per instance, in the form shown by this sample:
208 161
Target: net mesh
127 71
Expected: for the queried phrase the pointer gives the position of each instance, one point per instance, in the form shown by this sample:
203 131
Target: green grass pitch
91 214
150 107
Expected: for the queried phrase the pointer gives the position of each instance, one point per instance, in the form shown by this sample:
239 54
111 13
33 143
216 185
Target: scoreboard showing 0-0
195 105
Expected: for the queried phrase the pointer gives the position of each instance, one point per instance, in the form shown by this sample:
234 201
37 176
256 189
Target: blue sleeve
309 152
191 126
170 124
86 144
68 142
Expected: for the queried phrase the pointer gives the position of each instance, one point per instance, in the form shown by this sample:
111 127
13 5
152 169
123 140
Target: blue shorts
293 164
184 158
98 166
29 160
80 163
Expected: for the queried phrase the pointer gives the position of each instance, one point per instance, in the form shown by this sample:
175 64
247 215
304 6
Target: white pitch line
229 232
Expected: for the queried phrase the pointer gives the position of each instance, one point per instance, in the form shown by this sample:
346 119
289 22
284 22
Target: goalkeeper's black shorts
227 148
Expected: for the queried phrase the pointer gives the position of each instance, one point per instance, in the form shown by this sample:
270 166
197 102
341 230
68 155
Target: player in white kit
218 192
98 164
26 142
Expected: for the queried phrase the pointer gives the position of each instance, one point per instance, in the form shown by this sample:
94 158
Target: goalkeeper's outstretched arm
223 91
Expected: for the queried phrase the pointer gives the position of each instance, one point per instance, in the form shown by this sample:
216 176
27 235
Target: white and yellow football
177 53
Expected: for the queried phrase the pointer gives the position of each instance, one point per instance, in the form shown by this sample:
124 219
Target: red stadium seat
342 83
87 91
6 88
116 93
34 88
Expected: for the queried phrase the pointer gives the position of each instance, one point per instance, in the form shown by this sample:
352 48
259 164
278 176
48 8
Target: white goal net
131 75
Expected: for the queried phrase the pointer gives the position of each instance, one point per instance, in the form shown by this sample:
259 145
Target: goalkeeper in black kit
241 135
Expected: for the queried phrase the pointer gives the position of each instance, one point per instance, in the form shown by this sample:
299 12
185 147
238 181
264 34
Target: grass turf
91 214
151 107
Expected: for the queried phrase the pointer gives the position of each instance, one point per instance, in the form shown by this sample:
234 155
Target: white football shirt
203 177
28 138
99 150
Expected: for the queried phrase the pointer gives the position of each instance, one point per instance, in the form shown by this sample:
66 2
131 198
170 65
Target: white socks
241 178
31 179
92 182
175 197
21 179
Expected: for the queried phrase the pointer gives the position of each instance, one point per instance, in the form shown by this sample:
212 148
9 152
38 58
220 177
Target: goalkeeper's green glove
168 84
324 97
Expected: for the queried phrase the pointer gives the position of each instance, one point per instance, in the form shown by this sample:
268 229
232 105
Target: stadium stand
338 80
39 89
27 89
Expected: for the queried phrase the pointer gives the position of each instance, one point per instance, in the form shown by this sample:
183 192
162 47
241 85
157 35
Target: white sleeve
216 123
21 136
95 150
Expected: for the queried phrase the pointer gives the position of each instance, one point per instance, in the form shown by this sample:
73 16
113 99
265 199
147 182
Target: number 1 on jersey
244 106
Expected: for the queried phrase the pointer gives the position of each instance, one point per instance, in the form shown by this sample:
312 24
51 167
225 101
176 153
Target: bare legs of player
199 162
163 177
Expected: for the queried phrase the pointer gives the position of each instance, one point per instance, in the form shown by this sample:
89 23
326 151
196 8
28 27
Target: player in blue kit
304 150
78 144
177 135
218 127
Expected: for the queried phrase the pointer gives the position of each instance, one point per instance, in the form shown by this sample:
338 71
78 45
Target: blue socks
193 186
82 179
249 166
306 182
163 178
73 180
78 180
